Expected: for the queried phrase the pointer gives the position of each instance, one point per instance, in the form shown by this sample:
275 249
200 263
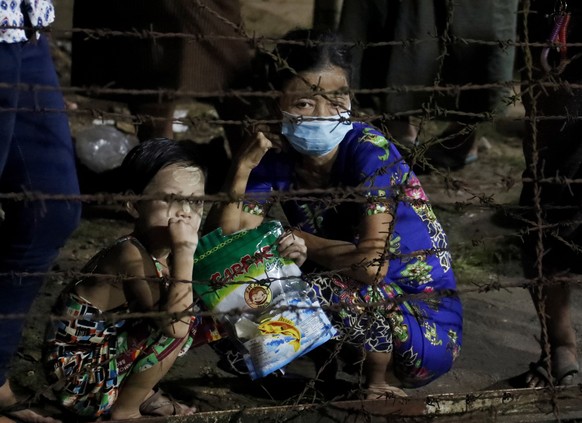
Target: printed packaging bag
259 297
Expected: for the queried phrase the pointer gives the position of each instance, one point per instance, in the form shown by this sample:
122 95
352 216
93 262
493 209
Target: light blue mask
315 136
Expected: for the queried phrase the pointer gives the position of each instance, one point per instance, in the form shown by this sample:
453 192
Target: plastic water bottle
102 147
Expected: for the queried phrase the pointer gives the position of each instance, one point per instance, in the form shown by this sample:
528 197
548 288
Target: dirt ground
501 327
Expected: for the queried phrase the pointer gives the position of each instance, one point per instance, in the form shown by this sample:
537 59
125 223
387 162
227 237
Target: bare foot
12 409
29 416
383 391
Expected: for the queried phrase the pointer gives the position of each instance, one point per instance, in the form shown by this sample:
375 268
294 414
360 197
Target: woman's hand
228 215
292 247
253 150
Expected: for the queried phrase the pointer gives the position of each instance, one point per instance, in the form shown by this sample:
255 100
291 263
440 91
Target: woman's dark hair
145 160
307 50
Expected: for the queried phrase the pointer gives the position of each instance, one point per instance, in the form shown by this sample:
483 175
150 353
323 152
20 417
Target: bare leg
457 142
376 367
138 387
403 132
561 337
8 399
156 120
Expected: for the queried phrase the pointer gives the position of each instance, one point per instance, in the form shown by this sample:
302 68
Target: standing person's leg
326 14
564 355
155 120
355 26
410 64
39 159
215 64
477 62
9 74
382 66
551 149
10 56
221 65
558 364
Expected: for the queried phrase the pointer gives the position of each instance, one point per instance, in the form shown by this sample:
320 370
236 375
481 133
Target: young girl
376 246
105 366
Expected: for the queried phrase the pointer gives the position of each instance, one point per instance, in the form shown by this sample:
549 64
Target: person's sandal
563 376
384 392
159 400
567 375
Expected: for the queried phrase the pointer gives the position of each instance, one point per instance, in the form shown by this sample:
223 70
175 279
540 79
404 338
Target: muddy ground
501 327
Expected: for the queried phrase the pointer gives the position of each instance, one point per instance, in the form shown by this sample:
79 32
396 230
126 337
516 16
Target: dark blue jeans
36 155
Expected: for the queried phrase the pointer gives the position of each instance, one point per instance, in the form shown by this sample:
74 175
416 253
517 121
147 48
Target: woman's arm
365 262
229 215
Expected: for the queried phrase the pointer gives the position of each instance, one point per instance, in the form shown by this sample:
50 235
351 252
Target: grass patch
478 263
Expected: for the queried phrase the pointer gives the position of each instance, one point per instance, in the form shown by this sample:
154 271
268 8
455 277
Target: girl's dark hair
145 160
307 50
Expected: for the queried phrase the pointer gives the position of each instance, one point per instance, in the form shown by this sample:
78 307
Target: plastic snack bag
260 297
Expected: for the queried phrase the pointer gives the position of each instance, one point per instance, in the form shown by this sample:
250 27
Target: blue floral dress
419 315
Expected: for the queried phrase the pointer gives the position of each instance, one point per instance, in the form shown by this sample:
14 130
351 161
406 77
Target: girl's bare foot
28 415
13 410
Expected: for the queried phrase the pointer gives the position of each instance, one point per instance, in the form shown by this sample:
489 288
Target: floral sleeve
258 197
378 204
256 208
381 172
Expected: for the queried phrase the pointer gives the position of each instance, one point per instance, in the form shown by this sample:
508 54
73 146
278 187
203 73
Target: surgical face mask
315 136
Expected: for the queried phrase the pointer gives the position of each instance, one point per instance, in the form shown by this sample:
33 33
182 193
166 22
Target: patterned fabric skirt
87 359
424 334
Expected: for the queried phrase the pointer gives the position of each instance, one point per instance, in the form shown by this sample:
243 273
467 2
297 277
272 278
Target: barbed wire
254 39
245 93
482 287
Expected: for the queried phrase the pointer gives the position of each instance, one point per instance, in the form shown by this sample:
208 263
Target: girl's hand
184 233
292 247
253 150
